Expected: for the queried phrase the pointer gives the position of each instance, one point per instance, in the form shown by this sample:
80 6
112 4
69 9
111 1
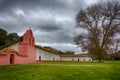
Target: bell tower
27 46
28 38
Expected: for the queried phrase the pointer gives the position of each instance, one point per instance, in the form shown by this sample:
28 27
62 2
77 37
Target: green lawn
62 71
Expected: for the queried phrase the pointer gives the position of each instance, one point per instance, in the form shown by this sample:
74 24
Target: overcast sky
52 21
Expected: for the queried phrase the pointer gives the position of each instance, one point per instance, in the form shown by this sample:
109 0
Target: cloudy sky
52 21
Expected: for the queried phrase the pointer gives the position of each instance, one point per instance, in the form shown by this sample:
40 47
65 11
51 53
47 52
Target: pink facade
26 51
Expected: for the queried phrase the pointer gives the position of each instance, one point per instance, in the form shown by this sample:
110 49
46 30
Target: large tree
100 23
3 36
6 38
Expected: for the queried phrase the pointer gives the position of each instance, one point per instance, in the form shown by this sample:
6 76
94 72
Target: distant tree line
6 38
59 51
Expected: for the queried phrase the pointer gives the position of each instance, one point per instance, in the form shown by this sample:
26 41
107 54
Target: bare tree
101 22
114 48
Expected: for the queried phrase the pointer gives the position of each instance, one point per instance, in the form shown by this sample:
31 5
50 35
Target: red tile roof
51 51
7 51
74 55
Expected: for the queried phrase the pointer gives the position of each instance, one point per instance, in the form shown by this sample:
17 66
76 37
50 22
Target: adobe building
24 51
76 57
19 52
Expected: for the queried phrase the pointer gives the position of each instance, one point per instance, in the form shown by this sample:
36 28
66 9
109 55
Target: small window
53 58
72 59
29 41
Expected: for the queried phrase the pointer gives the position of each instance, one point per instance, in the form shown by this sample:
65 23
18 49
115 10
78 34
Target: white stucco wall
14 46
75 58
46 56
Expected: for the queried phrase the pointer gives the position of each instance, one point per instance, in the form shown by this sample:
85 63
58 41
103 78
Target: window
29 41
53 58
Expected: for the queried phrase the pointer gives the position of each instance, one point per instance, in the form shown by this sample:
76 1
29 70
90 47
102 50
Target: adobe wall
4 60
30 58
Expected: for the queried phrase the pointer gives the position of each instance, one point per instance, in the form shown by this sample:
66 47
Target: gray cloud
52 21
50 27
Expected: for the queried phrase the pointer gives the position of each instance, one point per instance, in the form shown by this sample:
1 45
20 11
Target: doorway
78 60
39 58
12 58
72 59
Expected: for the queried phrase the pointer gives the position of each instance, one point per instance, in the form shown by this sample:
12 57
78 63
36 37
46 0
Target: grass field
62 71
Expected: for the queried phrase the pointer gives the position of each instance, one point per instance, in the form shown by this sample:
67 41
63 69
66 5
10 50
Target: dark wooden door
11 58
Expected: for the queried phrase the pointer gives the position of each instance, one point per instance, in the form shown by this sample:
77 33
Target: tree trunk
113 59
